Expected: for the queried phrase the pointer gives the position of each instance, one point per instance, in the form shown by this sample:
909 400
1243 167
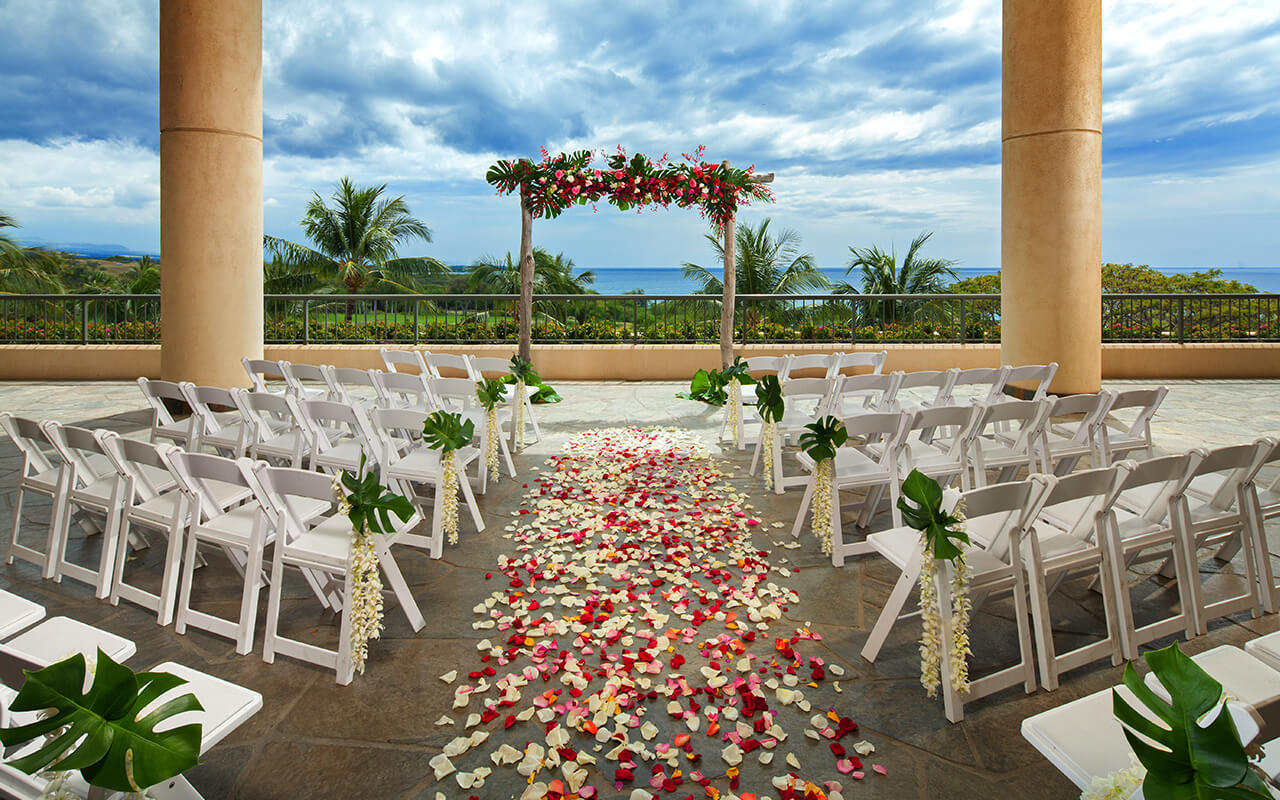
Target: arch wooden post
526 279
730 288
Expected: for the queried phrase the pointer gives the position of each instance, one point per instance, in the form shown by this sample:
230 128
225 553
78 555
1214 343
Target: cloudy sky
881 118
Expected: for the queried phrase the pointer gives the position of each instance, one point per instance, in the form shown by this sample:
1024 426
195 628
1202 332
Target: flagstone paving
376 737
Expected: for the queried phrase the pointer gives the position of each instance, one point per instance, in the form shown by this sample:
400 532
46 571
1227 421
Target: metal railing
638 318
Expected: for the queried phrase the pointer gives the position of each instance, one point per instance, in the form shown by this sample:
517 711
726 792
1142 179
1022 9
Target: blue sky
880 119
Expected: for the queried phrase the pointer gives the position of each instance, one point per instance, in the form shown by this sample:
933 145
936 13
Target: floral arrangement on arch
553 184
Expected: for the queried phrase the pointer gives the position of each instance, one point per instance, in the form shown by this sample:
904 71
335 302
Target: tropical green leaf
921 506
524 371
372 504
706 387
769 398
446 431
103 732
822 438
738 369
546 394
491 392
1185 759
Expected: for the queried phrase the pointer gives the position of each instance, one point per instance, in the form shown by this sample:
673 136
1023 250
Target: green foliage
103 732
978 284
490 392
738 370
1130 279
881 274
927 515
372 504
523 370
707 387
769 398
545 394
446 431
823 438
763 264
552 274
1188 760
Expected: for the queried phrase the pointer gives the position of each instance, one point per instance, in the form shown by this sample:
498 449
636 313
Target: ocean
670 280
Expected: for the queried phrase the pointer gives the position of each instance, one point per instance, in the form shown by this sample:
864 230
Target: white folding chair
17 613
276 429
1225 518
1066 540
402 390
58 638
409 361
757 367
340 433
407 462
163 425
862 394
818 365
868 461
92 488
1148 488
942 456
226 432
980 384
456 366
483 367
41 473
1072 431
1004 439
321 545
353 386
459 395
266 376
997 519
923 389
1041 375
307 380
1118 440
804 399
858 361
240 531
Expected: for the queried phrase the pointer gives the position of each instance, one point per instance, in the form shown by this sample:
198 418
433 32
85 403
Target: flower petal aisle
637 644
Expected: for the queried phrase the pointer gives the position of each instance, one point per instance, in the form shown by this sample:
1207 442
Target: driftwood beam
764 177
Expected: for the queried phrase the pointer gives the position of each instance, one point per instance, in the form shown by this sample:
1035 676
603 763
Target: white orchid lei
735 411
823 473
448 498
1118 785
491 444
518 422
769 435
366 585
821 441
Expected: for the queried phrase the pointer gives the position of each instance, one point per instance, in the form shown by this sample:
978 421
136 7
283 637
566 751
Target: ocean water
670 280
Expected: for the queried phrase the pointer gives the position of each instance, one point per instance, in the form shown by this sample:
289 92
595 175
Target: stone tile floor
374 738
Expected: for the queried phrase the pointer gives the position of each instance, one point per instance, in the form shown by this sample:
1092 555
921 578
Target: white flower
769 435
931 625
448 496
1118 785
491 444
735 411
822 501
518 422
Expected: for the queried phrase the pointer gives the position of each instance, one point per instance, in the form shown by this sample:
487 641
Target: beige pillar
210 188
1051 189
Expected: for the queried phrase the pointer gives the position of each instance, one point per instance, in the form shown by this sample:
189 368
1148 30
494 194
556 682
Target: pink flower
559 173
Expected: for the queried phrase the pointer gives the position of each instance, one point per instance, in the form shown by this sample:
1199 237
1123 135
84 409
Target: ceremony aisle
637 647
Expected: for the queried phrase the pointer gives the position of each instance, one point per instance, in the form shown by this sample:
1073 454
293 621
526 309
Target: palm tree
551 275
27 269
356 240
881 274
764 264
142 278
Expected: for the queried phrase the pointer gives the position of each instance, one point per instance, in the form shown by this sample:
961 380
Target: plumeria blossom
366 586
734 409
448 498
637 638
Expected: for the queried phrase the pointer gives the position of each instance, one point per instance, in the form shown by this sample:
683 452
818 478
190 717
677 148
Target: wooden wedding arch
548 187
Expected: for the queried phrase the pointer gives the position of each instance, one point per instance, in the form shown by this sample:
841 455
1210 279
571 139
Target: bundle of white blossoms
769 435
518 422
1118 785
735 411
366 586
491 434
930 614
448 498
823 473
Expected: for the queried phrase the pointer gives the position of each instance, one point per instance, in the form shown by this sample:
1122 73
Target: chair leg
952 701
804 508
172 565
249 601
471 504
1042 623
437 525
779 484
272 626
395 579
1021 616
344 668
184 593
506 454
892 609
17 525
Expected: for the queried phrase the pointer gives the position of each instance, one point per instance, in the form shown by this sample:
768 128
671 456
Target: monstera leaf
738 369
524 371
490 392
372 504
546 394
769 398
706 387
103 732
1184 759
823 438
446 431
929 516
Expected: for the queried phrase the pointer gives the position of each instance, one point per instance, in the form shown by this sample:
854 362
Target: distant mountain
90 249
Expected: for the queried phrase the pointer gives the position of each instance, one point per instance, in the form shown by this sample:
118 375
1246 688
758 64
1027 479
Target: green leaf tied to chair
922 508
769 399
821 439
523 371
706 387
490 392
1185 758
372 504
737 370
446 431
103 732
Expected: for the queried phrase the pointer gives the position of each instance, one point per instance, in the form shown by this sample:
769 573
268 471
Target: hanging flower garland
771 407
447 432
938 517
525 375
553 184
369 505
736 375
491 393
820 442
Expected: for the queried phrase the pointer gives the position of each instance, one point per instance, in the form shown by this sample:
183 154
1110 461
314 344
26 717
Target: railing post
635 321
306 321
1182 311
417 306
84 322
964 336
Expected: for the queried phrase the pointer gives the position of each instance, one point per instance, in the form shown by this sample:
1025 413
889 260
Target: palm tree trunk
351 305
730 288
526 280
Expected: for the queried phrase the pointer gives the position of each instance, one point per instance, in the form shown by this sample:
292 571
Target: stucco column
210 188
1051 189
